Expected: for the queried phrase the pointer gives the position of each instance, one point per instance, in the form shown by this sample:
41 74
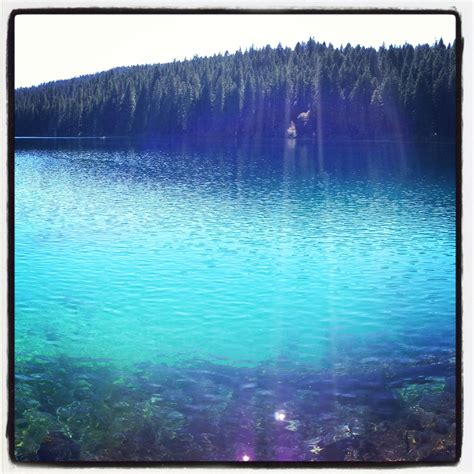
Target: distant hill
313 90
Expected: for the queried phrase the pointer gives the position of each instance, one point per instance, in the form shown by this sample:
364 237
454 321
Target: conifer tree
327 92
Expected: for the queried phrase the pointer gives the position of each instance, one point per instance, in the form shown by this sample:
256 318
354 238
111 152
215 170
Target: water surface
221 300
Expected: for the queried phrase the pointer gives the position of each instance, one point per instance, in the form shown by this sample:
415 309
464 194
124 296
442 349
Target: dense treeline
312 90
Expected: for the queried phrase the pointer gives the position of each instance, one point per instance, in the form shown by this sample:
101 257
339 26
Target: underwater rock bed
70 409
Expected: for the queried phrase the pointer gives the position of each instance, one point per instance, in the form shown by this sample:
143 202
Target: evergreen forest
311 90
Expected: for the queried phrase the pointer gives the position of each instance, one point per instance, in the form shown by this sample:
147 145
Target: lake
281 300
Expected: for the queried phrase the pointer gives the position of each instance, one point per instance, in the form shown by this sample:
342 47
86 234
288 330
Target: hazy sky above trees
50 47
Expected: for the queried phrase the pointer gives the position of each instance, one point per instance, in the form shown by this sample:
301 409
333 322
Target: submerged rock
56 446
144 415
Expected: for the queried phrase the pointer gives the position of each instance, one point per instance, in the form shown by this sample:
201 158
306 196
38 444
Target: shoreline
241 139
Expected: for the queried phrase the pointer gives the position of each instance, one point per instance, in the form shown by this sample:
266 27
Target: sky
51 47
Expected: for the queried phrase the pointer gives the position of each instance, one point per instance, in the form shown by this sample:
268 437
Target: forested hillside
313 90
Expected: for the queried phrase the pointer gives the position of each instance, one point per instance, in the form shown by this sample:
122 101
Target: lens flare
280 416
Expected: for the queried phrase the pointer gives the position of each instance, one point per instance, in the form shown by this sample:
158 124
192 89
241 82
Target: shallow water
215 301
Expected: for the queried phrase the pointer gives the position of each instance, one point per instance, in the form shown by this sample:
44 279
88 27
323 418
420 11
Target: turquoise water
208 275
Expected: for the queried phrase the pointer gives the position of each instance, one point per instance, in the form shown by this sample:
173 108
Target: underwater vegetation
81 409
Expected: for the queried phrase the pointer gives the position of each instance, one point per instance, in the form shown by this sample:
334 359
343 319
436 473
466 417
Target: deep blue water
278 300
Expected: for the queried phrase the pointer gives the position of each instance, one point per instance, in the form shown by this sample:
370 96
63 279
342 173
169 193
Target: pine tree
349 92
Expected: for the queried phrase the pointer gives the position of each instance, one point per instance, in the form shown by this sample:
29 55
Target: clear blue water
211 274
